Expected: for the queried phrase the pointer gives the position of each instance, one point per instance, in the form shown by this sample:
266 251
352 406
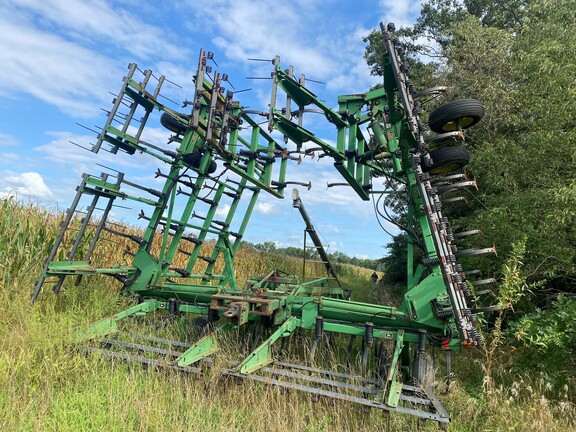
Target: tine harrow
183 261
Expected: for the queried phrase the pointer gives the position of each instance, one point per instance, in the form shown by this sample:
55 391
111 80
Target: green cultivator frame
225 159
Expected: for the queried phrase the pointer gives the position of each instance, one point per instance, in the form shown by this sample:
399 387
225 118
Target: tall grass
45 386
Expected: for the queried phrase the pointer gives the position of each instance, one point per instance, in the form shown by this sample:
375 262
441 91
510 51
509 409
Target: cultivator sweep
224 160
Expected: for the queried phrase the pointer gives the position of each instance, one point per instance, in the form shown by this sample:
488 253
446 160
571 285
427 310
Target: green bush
547 340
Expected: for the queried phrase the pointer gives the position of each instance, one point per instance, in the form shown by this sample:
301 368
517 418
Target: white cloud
401 13
242 32
7 140
27 184
322 172
61 151
297 31
264 208
330 229
91 21
223 211
9 157
67 53
52 69
155 136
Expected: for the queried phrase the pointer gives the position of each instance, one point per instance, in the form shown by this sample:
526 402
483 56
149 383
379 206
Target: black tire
200 322
194 160
455 115
173 124
447 159
199 327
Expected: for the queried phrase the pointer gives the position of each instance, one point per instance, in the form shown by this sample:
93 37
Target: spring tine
232 195
173 226
208 201
151 191
220 223
311 151
483 292
182 272
142 215
454 186
78 145
476 251
298 159
484 281
286 183
134 238
484 309
184 252
196 215
190 239
188 183
87 128
449 178
208 259
181 192
455 200
467 233
160 149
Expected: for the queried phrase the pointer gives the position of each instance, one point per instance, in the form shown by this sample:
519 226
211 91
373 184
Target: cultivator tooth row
182 263
433 191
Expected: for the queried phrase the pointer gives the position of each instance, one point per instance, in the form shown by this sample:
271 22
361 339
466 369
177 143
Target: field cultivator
380 355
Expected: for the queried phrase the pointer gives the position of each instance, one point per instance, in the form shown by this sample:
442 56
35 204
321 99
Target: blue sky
59 59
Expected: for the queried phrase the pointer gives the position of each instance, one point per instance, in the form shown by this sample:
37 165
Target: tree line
517 58
311 254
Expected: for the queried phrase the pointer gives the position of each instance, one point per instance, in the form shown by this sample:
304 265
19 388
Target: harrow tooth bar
358 378
341 396
158 340
139 359
317 380
140 347
340 386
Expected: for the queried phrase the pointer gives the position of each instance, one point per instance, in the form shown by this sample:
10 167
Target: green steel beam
394 385
109 325
203 348
262 355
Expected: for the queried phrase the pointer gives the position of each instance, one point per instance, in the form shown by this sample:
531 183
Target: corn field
46 386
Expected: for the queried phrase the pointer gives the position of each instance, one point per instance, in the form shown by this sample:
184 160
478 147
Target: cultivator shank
182 263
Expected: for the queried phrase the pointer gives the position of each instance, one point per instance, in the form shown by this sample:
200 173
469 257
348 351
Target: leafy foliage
526 159
516 56
524 151
547 340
